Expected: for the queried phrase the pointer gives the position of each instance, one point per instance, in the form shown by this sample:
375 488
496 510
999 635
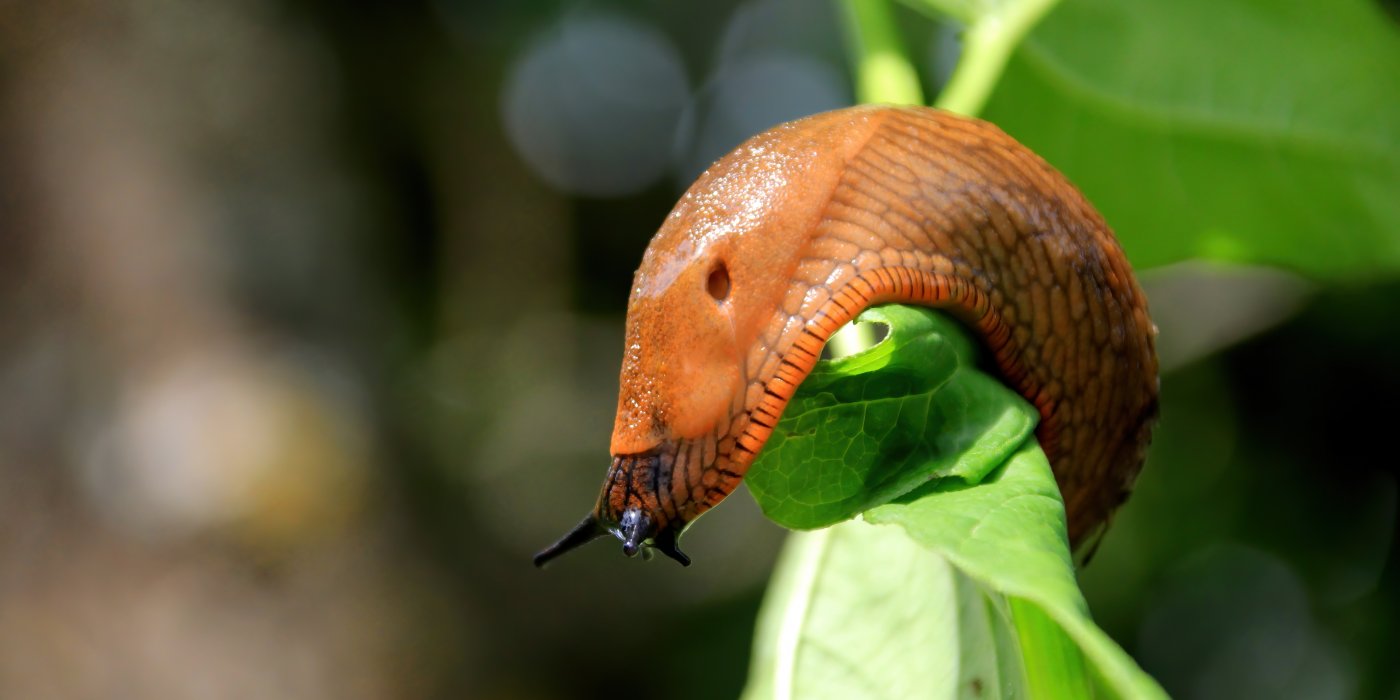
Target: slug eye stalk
583 533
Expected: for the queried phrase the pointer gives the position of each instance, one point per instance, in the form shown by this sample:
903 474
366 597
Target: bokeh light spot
593 106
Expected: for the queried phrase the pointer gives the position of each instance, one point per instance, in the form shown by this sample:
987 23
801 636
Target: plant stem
987 44
883 73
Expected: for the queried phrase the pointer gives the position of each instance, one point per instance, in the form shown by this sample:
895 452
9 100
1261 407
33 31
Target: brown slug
800 228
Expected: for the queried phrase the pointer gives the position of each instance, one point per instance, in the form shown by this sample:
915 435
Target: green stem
882 70
1053 663
987 44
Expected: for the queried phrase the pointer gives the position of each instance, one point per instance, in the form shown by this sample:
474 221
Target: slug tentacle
801 228
583 533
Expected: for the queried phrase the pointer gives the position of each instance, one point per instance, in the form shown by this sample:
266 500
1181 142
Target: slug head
715 276
710 284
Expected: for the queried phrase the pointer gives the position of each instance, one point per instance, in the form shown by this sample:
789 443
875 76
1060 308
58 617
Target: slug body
803 226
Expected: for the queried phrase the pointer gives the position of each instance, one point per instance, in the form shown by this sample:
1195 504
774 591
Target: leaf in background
868 428
1261 132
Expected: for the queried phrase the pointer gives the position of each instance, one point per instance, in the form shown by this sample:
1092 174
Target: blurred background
310 324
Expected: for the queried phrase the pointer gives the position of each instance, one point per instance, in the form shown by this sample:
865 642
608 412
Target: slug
800 228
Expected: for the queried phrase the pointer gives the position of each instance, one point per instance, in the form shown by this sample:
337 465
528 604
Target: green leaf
859 611
1009 534
973 596
868 428
1259 132
974 593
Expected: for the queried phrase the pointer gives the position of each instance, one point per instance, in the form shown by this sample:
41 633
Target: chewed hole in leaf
854 338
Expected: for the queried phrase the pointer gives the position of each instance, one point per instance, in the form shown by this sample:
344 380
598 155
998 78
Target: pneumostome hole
717 284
